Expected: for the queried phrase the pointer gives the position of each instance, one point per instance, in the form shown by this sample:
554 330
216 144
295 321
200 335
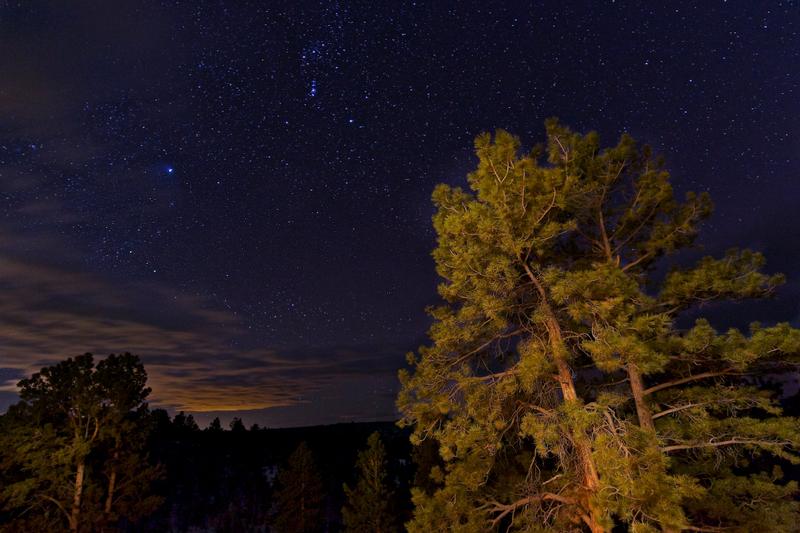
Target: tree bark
112 485
591 480
74 517
112 481
642 409
583 449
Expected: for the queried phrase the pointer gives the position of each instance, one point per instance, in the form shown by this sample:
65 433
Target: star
276 169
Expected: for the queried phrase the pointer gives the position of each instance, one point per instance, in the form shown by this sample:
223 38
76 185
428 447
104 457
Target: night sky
240 194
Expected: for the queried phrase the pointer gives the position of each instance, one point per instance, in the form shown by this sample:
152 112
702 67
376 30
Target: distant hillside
223 480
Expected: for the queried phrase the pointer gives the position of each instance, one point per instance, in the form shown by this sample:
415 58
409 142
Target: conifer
299 496
72 450
369 504
558 383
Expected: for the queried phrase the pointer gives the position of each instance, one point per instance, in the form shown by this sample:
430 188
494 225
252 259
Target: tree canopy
562 384
72 448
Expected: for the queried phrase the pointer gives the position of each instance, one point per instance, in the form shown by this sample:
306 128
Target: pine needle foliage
369 506
72 451
558 385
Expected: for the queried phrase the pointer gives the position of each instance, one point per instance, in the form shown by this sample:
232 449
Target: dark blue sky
240 193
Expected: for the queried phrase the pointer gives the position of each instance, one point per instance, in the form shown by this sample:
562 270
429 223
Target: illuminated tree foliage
369 504
559 388
299 495
72 449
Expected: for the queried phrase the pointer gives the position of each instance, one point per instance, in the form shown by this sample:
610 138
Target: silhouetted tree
557 384
75 423
369 506
184 423
299 495
121 383
237 426
215 426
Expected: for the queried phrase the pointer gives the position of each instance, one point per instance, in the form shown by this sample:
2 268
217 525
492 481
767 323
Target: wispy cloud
199 356
58 301
51 313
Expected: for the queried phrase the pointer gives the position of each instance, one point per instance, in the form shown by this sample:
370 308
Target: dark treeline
229 480
82 452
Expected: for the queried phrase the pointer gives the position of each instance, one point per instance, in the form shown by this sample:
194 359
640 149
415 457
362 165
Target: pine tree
121 383
558 385
215 426
369 504
237 426
299 495
72 447
183 424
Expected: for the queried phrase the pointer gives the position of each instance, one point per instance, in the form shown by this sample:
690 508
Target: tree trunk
75 513
112 481
637 388
634 375
583 448
591 480
302 506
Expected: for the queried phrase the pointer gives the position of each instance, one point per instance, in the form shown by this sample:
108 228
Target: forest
84 429
572 382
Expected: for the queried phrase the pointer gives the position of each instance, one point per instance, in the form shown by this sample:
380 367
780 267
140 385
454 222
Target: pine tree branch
549 207
678 409
506 509
642 257
728 442
602 223
493 376
483 346
539 408
58 504
689 379
635 232
631 209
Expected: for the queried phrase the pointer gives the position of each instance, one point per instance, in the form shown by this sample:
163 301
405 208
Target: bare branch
505 509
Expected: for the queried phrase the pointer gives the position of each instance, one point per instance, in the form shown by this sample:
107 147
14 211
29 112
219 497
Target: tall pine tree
71 450
299 495
558 384
369 506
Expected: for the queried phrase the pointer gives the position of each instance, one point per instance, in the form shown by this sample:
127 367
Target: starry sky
239 192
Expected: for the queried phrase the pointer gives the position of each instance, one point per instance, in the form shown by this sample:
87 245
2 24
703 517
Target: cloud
50 313
67 212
